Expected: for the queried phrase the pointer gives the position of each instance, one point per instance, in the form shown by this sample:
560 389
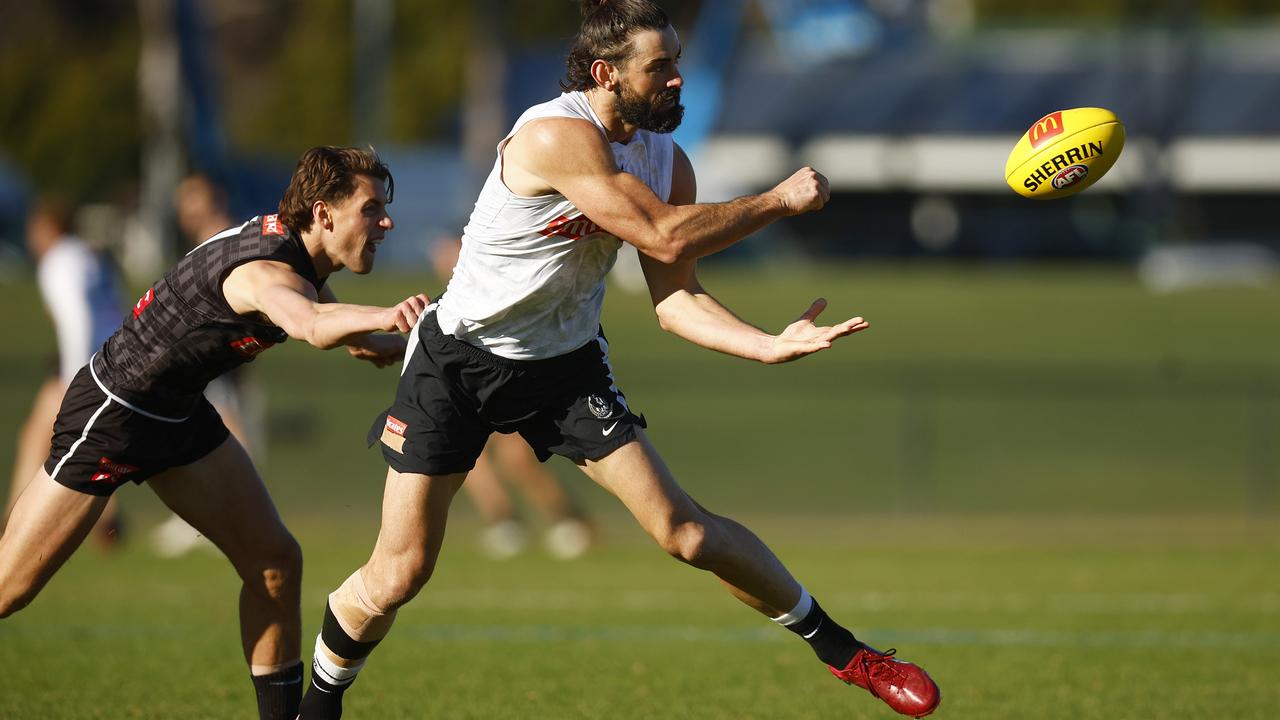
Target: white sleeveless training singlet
529 283
80 289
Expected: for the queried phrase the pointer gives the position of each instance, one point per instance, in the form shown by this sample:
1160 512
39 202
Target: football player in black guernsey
136 412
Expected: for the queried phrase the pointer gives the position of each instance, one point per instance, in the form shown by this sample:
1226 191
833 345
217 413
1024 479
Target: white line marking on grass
1082 603
875 636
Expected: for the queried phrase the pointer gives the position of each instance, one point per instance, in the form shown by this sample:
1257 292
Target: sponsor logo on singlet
110 471
573 229
393 434
271 225
250 346
143 302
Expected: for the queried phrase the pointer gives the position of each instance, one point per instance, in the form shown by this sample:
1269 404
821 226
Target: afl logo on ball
599 407
1070 176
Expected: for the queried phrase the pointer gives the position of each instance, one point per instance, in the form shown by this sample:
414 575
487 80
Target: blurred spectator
569 534
81 292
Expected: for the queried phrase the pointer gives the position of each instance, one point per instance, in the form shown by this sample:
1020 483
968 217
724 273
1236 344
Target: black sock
323 700
833 644
279 693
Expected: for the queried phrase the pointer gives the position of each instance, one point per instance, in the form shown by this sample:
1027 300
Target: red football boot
902 686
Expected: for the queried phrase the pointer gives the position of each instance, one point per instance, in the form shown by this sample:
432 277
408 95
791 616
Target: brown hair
54 209
607 27
329 174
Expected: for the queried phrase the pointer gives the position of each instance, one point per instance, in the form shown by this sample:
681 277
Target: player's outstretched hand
404 316
803 337
378 348
804 191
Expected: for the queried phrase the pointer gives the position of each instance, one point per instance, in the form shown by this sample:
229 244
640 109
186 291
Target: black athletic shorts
100 441
453 395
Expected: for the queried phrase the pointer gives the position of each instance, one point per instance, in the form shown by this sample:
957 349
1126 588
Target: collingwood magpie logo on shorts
599 406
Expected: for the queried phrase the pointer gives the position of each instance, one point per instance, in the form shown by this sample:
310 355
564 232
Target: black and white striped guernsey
182 333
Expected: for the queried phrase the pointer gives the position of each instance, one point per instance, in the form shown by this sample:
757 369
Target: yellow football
1064 152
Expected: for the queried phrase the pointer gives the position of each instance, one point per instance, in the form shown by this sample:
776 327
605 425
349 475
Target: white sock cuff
799 612
333 673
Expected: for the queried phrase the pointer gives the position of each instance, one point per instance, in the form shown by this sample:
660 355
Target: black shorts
453 395
100 441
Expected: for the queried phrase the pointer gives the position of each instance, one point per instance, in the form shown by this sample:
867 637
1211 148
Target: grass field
1054 490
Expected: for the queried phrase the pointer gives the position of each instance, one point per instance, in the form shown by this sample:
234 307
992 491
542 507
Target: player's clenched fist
404 316
804 191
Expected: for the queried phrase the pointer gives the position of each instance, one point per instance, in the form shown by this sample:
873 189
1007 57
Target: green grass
1055 490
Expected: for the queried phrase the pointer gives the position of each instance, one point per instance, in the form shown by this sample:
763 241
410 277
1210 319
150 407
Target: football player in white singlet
515 346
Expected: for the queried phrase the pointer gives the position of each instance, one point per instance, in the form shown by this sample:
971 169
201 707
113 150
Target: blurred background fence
909 106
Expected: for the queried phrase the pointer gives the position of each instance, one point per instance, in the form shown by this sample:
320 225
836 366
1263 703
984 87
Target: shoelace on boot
883 663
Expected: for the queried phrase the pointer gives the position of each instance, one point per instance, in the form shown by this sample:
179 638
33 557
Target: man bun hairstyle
329 174
607 27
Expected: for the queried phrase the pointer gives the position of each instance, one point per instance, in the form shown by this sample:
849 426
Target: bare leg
34 440
415 509
175 537
486 492
638 477
47 525
541 486
504 535
222 496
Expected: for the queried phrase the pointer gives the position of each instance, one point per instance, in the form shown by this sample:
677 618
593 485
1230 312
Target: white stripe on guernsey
799 612
54 475
225 233
120 400
332 673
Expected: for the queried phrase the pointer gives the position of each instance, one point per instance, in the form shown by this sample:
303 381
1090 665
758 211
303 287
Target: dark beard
650 115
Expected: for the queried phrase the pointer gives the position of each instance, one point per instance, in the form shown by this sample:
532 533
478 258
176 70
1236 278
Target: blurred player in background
82 294
201 210
137 412
515 345
569 534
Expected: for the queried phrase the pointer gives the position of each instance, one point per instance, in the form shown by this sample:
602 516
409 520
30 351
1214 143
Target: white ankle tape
333 673
799 612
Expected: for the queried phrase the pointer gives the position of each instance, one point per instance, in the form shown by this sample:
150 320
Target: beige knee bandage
359 616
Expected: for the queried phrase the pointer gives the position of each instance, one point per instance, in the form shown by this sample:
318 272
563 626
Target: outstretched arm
572 157
686 309
381 348
287 300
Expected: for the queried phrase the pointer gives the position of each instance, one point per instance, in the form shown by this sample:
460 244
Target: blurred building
909 107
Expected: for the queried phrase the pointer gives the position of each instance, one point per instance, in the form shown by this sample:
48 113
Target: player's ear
605 74
320 216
